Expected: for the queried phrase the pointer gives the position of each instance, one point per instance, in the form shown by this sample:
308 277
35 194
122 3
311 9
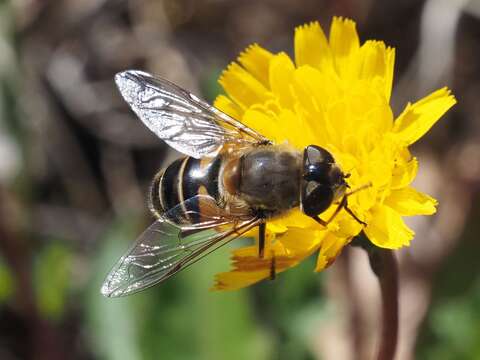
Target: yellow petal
329 250
264 124
296 132
409 202
280 128
316 89
242 87
256 60
294 218
314 92
338 122
376 63
344 43
226 105
390 67
311 46
381 118
299 243
386 228
405 170
368 106
281 73
418 118
234 280
248 268
322 262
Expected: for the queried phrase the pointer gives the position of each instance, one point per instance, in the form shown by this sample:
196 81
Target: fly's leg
262 228
341 205
273 267
261 238
348 210
319 220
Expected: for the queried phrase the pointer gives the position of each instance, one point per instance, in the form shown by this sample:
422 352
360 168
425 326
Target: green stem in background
384 265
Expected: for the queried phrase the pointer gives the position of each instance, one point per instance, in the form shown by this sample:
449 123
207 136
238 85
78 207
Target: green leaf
51 279
112 324
7 283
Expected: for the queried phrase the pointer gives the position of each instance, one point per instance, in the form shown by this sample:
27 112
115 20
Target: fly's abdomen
182 180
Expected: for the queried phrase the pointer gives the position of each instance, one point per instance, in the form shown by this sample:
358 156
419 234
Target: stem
384 265
355 318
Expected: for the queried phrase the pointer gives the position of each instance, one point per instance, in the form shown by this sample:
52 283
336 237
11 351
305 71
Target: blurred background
75 166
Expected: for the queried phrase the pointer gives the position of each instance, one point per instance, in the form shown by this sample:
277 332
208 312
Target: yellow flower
336 95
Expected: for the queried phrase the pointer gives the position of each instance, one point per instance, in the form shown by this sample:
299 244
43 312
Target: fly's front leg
352 214
343 205
320 221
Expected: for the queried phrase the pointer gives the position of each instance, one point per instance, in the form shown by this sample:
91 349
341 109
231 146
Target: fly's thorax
267 177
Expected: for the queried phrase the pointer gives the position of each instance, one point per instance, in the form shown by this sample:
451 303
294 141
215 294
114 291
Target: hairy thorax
267 177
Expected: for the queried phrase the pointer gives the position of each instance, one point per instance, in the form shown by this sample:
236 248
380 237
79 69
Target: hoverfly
232 180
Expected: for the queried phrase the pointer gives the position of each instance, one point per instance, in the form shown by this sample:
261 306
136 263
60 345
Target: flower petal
234 280
344 43
265 124
409 202
294 218
248 268
299 243
256 60
311 46
404 170
242 87
386 228
418 118
281 72
226 105
376 64
314 91
295 132
329 250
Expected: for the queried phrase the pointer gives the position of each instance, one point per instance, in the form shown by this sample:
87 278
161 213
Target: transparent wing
169 246
185 122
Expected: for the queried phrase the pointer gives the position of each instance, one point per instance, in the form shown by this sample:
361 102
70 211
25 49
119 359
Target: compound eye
314 155
316 164
316 198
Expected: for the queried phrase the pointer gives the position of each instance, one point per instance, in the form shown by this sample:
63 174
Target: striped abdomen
183 179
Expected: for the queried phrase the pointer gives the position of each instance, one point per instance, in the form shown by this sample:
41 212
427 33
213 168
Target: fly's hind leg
262 228
261 238
273 267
